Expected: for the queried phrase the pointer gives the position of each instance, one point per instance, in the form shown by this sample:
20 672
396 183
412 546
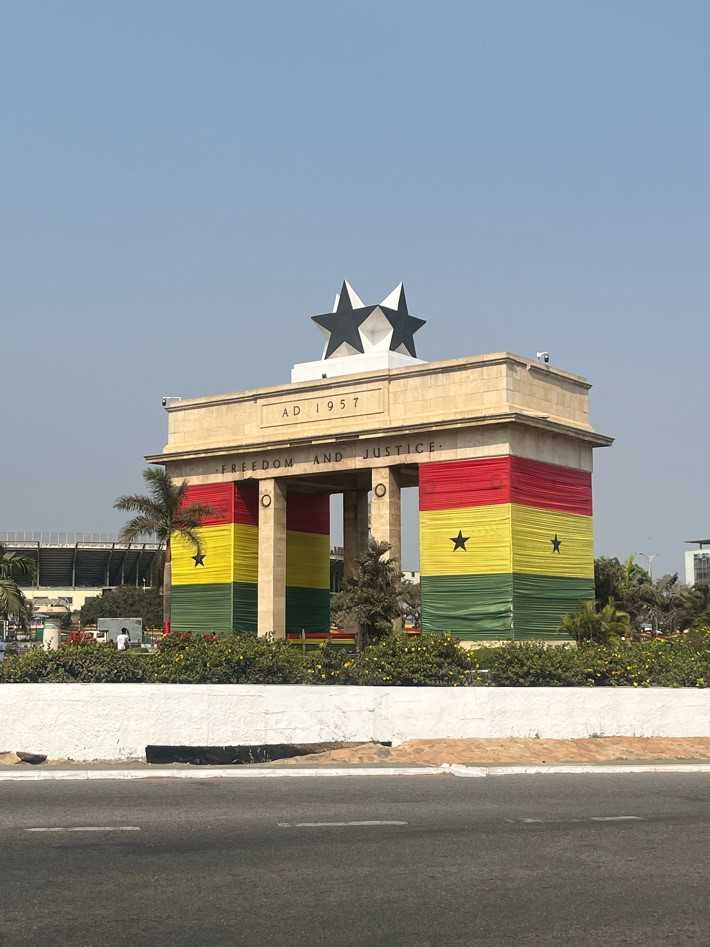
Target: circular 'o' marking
266 500
380 490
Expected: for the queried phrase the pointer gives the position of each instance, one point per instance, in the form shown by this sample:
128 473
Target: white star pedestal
371 328
352 365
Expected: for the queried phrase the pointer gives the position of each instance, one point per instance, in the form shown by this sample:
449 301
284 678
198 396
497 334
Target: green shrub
426 661
77 663
429 660
675 662
527 664
659 663
234 659
330 664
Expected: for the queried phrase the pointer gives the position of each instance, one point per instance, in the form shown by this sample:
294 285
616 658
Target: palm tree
162 514
601 627
12 601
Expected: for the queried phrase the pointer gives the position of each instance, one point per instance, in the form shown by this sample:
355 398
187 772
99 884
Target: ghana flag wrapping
215 590
308 564
506 546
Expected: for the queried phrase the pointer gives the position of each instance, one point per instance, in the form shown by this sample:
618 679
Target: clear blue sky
183 183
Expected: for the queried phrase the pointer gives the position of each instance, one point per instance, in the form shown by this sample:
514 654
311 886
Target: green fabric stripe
540 602
245 607
201 608
471 607
496 607
220 607
308 609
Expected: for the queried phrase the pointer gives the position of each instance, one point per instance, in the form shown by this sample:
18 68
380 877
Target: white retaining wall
117 721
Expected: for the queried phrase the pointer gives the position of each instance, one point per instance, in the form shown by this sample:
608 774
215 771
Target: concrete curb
444 769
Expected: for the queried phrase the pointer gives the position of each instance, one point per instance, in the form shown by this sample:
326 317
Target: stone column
272 559
50 636
355 529
386 523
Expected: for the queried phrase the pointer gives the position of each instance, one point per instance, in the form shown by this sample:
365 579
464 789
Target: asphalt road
579 860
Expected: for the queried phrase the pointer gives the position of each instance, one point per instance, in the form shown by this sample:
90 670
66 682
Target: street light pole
650 556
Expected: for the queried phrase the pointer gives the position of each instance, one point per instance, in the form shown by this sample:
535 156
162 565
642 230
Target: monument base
352 365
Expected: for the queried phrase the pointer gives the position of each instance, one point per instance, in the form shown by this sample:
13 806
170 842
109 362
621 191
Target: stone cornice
531 420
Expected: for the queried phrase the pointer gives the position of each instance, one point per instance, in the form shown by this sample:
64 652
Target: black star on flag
460 542
199 558
343 324
556 543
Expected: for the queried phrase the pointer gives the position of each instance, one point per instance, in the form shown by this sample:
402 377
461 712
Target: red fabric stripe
464 483
231 502
218 496
246 502
308 512
550 486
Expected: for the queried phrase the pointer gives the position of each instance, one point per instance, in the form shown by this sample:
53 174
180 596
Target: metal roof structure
83 560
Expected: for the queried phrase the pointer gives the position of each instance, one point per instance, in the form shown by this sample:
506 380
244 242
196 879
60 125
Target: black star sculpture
403 325
460 542
343 324
556 543
199 558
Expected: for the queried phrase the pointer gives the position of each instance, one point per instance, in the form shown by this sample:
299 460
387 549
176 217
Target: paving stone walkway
596 750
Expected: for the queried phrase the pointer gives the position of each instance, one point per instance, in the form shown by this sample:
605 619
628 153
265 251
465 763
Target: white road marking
313 825
617 818
87 828
591 818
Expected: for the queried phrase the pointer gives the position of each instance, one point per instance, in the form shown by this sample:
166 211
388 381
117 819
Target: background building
697 563
73 567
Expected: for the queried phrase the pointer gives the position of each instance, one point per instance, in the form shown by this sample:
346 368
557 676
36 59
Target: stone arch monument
499 445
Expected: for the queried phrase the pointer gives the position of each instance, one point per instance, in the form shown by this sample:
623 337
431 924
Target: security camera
544 357
167 399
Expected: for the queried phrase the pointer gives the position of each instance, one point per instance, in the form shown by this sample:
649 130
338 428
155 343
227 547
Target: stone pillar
386 523
272 559
50 637
355 529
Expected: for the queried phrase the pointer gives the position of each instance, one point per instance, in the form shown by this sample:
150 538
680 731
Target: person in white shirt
123 640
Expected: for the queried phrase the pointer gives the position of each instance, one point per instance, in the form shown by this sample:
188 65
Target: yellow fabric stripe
533 549
246 552
230 551
488 546
216 544
307 560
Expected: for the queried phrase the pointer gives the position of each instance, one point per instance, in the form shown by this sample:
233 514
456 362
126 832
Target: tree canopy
125 602
370 598
665 604
12 600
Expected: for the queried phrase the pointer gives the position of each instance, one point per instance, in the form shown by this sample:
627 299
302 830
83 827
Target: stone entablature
493 437
432 396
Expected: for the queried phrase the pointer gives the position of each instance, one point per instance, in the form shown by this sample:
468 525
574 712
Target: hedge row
432 660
